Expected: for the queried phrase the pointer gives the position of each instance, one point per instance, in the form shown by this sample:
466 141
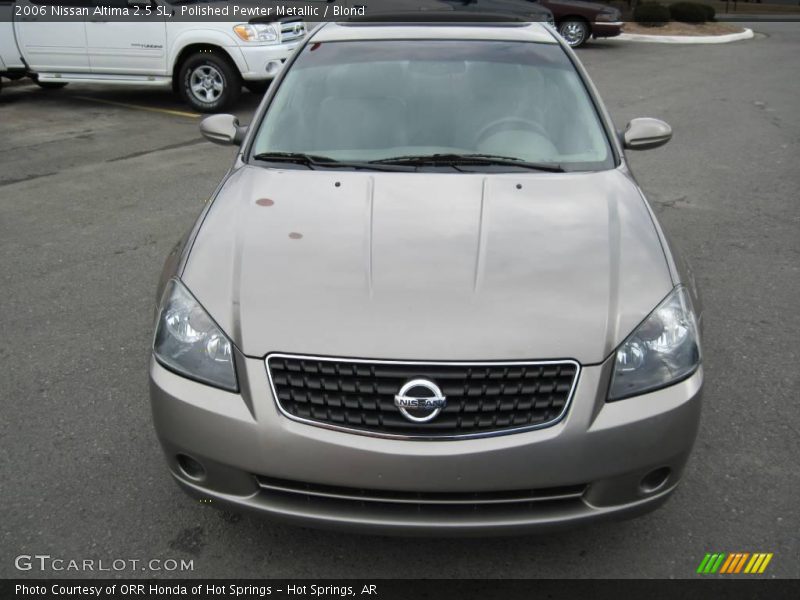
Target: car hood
428 266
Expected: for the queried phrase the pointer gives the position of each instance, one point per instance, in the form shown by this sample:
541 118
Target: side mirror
645 133
223 129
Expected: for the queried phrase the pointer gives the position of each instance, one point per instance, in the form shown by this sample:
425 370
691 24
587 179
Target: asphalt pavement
96 185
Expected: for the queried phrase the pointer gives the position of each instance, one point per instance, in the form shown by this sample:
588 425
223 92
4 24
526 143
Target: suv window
373 100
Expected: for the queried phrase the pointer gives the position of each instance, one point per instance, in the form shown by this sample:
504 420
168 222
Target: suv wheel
575 32
208 82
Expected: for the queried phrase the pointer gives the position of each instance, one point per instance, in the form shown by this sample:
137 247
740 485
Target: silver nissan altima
429 297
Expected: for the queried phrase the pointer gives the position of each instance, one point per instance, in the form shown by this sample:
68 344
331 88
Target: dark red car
576 21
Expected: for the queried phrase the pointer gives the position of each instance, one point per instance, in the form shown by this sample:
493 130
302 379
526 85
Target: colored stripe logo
734 563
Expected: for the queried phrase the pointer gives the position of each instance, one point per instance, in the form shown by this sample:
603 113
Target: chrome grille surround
421 433
292 30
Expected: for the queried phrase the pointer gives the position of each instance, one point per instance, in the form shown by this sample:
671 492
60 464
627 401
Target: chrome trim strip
390 500
396 436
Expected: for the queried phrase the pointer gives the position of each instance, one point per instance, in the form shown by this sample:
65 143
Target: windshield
365 101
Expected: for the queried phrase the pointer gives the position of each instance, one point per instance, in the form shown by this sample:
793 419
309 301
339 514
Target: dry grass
676 28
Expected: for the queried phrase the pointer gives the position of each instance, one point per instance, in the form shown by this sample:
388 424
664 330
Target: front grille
482 398
417 500
292 30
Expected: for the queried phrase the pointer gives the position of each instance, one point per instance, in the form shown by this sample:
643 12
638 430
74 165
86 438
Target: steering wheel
504 123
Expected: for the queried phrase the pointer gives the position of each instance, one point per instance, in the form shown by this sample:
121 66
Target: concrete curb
685 39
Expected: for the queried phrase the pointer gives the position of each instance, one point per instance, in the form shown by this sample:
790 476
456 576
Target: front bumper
257 58
600 453
606 29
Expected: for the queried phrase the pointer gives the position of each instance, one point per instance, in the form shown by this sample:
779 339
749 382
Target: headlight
189 342
257 32
664 349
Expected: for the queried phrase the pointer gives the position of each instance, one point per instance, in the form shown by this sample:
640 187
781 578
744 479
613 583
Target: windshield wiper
469 159
299 158
315 160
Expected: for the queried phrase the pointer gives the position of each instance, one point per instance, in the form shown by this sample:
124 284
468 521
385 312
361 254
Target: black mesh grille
481 398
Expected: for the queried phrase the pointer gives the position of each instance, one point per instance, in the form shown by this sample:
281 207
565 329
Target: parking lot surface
97 184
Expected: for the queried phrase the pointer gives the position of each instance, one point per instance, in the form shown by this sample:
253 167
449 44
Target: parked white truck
205 62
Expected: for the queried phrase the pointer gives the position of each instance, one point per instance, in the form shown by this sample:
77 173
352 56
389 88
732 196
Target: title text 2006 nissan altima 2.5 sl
429 297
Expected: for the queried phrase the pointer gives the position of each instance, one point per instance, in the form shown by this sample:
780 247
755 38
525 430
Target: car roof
358 30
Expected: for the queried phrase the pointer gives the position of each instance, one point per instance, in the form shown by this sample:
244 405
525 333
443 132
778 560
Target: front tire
208 82
574 31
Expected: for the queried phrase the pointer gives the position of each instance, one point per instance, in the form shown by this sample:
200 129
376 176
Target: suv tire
208 82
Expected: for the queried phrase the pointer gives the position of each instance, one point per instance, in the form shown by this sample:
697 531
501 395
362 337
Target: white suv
206 63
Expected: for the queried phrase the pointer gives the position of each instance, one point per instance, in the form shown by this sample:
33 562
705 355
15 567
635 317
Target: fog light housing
273 67
655 480
190 467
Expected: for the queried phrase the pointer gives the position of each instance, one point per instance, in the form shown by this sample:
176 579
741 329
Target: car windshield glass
363 101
